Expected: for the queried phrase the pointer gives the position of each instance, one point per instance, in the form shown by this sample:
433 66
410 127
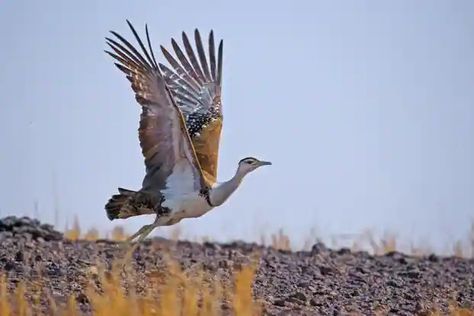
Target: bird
179 131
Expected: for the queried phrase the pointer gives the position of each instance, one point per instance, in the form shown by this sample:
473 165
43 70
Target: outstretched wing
172 167
196 88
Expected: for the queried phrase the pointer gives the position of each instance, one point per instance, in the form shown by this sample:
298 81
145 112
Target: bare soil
317 282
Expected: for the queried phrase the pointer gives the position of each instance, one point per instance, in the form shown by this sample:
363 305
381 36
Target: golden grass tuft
243 299
169 292
92 234
454 311
118 233
73 233
4 302
281 241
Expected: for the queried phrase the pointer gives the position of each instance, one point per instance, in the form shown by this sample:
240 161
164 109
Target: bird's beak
264 163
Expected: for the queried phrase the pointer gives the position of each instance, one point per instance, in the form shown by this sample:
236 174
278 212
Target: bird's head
249 164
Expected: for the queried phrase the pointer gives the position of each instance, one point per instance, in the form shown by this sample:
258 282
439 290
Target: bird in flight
179 131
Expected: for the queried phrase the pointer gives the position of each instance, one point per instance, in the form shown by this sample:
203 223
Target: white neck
221 191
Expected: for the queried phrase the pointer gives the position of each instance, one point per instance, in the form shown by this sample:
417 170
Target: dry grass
455 311
170 293
281 241
73 233
181 294
365 241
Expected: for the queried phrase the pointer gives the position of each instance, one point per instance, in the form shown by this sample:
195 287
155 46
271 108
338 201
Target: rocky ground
317 282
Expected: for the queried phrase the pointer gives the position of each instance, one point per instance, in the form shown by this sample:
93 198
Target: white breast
180 194
194 205
179 183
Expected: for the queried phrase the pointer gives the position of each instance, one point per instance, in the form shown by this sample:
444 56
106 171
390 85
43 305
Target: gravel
317 282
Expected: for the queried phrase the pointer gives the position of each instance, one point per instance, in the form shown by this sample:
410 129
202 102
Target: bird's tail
117 201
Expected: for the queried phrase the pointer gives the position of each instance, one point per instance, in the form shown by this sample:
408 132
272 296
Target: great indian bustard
180 127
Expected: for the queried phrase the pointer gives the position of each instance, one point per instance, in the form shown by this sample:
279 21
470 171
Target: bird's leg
128 242
138 233
142 233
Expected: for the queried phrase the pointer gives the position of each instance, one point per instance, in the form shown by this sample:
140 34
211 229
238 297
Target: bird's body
179 132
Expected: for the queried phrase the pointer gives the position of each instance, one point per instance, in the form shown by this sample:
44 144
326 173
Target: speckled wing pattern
195 84
163 136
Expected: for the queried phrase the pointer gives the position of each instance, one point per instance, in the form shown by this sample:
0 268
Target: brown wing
163 136
196 87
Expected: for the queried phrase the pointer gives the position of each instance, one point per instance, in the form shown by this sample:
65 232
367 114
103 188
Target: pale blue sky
366 109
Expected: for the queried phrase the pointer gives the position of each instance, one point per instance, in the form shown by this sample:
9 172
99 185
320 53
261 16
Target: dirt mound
317 282
30 228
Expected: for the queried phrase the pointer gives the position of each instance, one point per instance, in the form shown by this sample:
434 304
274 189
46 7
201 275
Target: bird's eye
250 161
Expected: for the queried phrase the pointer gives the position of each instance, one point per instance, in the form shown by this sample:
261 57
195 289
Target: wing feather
184 61
219 63
149 45
202 54
123 52
163 136
132 51
196 88
192 57
177 67
179 82
212 55
144 50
